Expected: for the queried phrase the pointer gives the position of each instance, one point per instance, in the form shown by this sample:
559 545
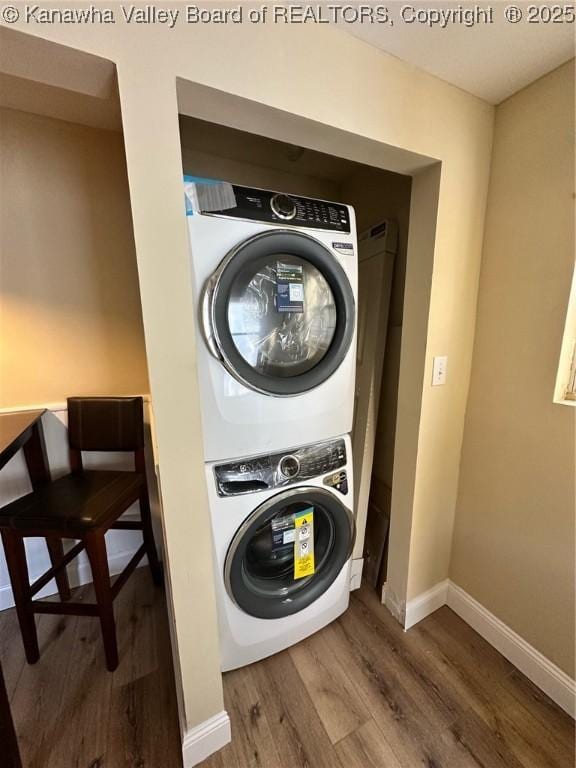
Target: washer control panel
278 208
270 471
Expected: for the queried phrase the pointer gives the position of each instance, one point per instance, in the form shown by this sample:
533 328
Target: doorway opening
381 200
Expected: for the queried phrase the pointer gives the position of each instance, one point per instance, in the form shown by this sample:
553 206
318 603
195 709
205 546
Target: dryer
275 287
266 604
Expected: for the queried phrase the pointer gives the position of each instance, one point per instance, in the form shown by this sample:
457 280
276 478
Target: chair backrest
105 424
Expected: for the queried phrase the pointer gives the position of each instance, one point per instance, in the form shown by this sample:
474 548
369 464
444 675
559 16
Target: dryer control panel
260 473
292 210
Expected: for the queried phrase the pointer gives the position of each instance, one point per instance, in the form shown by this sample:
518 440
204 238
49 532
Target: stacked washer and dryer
275 287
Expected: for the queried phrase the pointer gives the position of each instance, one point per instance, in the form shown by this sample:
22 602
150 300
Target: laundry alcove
381 200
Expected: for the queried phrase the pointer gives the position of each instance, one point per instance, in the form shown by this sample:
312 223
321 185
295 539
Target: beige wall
199 163
383 112
513 544
70 315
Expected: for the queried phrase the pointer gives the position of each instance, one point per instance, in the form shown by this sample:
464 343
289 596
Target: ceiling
491 61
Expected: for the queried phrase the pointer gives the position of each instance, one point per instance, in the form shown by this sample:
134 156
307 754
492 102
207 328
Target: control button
283 206
339 481
289 466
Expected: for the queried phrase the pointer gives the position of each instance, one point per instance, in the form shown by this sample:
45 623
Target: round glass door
272 341
282 313
261 573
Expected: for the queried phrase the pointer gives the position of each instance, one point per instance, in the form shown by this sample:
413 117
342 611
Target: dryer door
259 571
282 313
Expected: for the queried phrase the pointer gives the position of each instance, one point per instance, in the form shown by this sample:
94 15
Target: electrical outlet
439 371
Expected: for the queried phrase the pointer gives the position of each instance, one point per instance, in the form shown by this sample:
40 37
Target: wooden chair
82 505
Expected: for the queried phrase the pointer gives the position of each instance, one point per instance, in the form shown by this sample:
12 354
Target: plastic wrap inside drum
275 343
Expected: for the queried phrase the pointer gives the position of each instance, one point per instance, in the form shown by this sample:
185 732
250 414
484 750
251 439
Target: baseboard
425 604
79 573
203 740
559 686
541 671
356 573
391 600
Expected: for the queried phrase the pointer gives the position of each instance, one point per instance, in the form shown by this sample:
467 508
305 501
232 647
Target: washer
262 606
275 286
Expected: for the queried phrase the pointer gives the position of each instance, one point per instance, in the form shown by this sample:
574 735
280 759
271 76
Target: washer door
259 574
282 313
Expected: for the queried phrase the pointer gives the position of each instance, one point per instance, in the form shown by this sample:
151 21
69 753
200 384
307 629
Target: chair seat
74 503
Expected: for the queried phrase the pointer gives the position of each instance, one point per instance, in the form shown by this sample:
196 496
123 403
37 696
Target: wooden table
24 430
21 430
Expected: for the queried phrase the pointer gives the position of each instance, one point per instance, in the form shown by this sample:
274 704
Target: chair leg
148 534
96 551
18 570
56 552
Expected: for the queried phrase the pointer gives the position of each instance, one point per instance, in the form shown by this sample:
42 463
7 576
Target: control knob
289 466
283 206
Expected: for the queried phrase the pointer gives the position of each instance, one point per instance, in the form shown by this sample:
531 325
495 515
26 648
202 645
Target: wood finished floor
359 694
70 712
